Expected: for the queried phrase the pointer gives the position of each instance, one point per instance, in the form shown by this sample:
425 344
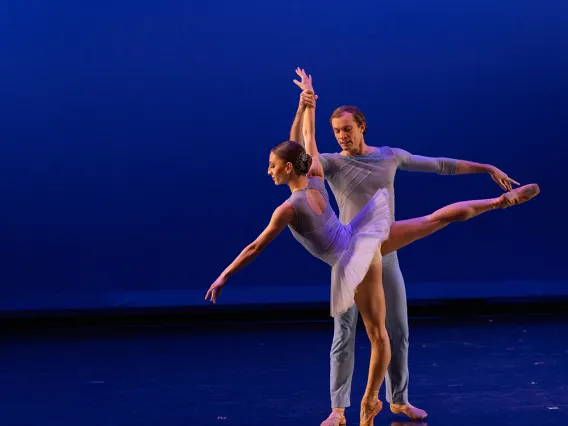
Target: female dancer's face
278 170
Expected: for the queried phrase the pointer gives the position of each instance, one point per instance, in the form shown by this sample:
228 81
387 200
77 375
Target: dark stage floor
477 371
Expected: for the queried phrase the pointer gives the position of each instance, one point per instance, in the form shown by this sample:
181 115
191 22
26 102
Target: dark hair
349 109
293 152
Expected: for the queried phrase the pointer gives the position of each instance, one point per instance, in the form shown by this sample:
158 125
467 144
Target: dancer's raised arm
309 124
306 100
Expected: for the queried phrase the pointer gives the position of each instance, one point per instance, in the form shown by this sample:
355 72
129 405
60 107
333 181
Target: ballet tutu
368 230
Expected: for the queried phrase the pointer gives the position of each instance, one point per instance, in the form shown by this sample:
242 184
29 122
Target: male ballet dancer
354 175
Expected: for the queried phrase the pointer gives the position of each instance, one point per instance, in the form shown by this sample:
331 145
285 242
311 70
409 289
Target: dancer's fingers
307 98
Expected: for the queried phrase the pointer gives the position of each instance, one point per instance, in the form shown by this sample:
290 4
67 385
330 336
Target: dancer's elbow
254 249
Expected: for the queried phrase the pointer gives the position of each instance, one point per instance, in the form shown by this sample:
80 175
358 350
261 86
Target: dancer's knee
456 212
399 342
398 330
377 334
343 343
344 332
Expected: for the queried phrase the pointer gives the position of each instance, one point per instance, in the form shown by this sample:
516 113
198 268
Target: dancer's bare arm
281 217
296 130
449 166
306 100
309 125
308 131
469 167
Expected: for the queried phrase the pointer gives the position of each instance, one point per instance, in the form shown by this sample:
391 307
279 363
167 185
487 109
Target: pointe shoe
369 412
409 410
335 419
518 195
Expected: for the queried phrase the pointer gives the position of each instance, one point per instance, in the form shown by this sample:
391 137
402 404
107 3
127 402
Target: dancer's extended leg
404 232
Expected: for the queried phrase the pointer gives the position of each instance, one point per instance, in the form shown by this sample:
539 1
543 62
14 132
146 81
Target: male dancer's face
349 136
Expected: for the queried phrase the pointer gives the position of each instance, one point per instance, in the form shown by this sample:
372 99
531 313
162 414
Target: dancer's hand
308 99
215 289
306 83
502 179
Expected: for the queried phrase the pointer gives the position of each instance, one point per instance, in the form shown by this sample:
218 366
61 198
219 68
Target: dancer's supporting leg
397 377
404 232
342 362
370 300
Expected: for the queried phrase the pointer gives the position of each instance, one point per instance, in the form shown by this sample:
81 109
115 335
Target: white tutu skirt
369 229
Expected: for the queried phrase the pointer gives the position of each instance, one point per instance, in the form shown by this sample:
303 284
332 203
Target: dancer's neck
360 150
299 183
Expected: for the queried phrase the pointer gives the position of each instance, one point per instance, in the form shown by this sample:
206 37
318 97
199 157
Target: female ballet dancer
350 249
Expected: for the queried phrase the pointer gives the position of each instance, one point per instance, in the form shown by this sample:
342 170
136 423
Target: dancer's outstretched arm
281 217
309 125
449 166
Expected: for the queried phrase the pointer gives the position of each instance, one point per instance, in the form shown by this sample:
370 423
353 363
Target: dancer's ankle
371 395
498 203
339 410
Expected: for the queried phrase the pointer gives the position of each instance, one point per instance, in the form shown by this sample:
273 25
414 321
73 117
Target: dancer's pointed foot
410 410
336 418
517 196
369 410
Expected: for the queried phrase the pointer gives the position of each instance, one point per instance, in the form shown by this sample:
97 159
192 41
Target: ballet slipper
410 410
335 419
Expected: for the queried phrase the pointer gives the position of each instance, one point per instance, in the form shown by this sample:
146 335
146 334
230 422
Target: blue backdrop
135 139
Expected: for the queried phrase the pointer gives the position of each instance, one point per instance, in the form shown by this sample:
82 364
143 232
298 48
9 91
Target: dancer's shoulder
328 162
285 212
329 155
391 151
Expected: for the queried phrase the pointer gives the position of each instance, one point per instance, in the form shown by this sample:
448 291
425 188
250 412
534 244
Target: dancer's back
349 248
320 233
